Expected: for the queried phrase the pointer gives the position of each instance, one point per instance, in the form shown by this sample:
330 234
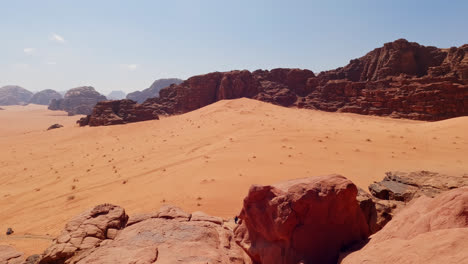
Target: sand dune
203 160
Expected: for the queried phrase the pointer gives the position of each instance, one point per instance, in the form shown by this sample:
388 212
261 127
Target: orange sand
203 160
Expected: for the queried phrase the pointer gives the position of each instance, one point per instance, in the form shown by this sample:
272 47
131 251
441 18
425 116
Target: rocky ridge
401 79
153 90
117 112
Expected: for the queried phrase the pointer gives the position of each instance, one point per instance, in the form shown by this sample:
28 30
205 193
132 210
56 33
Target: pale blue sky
126 45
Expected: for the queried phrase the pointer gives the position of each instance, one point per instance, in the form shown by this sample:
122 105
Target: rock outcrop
153 90
118 112
84 232
116 95
9 255
78 101
429 230
44 97
401 79
398 188
14 95
402 186
168 236
54 126
301 221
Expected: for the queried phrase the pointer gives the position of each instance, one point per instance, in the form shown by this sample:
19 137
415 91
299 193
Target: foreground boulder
78 101
429 230
402 186
168 236
44 97
84 232
14 95
301 221
117 112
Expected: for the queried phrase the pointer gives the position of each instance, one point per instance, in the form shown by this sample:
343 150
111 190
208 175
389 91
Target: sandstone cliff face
78 101
153 90
14 95
401 79
44 97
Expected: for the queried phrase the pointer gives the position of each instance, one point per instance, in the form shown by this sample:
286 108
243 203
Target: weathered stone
301 221
429 230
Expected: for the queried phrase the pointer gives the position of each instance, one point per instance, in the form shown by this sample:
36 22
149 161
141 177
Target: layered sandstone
401 79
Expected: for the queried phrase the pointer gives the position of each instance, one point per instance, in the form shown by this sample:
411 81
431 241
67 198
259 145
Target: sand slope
203 160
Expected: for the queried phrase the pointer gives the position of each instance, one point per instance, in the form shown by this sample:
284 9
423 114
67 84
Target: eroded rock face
9 255
84 232
301 221
14 95
45 97
429 230
78 101
117 112
153 90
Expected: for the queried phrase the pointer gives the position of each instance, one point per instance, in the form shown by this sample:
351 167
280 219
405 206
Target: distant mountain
78 101
44 97
116 95
153 90
14 95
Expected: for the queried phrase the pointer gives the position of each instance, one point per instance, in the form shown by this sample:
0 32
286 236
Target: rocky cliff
153 90
401 79
78 101
44 97
14 95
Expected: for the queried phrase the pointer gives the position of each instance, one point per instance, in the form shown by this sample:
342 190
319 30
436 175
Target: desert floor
203 160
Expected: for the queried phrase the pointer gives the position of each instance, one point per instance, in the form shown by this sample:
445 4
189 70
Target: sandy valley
202 160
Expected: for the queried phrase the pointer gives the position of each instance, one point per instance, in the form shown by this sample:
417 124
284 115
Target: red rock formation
301 221
430 230
117 112
401 79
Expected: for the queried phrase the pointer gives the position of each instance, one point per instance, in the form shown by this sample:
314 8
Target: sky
126 45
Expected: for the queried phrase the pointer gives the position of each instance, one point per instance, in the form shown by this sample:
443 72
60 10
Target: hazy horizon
119 45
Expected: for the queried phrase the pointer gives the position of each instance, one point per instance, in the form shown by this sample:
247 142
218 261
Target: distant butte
401 79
